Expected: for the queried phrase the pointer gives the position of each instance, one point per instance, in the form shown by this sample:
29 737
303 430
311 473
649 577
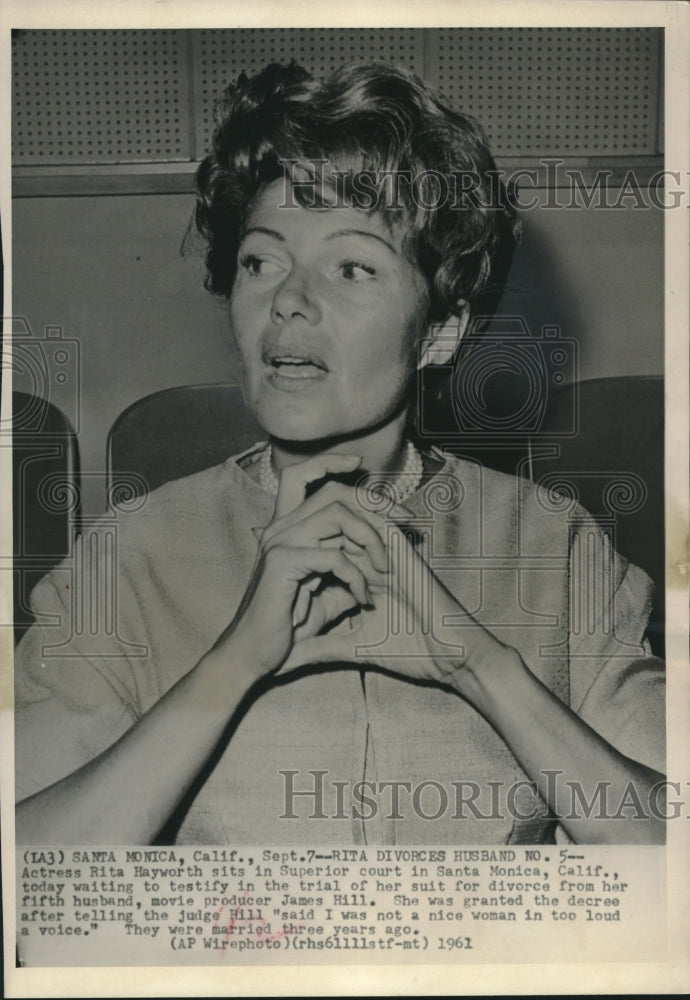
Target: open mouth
297 366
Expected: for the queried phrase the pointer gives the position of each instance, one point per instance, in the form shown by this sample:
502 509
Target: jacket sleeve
616 685
77 686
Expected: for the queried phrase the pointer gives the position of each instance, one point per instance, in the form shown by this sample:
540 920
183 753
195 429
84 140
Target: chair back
176 432
602 441
45 495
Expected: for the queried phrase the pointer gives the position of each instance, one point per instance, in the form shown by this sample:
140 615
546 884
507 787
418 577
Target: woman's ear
442 341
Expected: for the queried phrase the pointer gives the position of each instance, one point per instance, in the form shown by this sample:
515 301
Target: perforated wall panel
131 96
569 91
221 55
100 96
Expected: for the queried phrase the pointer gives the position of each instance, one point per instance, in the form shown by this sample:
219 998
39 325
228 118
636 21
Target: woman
312 645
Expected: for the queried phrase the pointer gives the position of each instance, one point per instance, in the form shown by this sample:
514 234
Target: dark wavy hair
367 121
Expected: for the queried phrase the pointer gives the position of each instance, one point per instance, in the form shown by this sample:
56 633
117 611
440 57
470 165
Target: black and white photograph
345 573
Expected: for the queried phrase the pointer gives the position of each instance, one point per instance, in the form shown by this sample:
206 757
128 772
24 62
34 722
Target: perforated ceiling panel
537 91
99 96
219 57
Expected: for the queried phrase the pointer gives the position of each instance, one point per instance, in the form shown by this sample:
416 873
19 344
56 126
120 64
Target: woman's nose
295 297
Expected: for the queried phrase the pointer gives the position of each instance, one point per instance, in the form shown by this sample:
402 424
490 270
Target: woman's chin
320 431
290 421
302 432
310 437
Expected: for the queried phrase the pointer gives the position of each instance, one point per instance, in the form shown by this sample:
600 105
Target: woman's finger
288 567
294 479
303 602
326 607
331 493
333 523
321 649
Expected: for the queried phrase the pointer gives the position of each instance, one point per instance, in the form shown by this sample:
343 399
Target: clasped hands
336 583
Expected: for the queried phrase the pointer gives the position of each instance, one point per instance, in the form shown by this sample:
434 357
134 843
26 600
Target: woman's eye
352 270
258 267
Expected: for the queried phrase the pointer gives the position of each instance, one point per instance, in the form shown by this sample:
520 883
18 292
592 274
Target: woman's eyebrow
267 232
361 232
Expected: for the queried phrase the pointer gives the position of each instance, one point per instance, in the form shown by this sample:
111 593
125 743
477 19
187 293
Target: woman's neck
381 450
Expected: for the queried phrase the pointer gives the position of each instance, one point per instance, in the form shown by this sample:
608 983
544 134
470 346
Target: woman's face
327 312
